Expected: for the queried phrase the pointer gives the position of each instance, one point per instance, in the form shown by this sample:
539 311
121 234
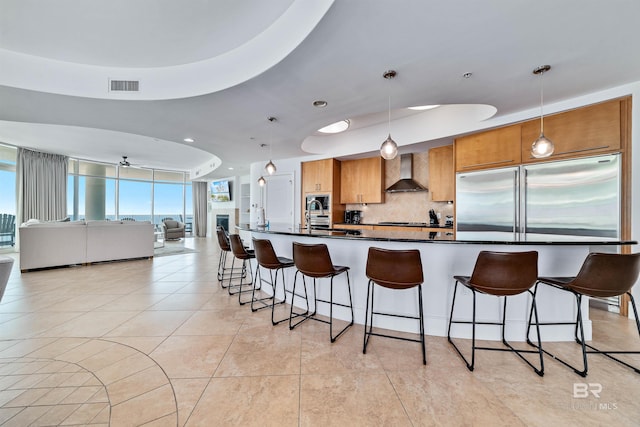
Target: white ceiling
215 70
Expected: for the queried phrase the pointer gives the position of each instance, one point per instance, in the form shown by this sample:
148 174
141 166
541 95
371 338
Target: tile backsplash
405 207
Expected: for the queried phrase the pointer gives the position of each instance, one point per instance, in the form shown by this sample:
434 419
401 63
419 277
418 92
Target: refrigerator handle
523 203
516 208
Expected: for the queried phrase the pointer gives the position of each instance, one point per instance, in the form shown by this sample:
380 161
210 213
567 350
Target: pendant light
262 181
543 146
389 148
270 167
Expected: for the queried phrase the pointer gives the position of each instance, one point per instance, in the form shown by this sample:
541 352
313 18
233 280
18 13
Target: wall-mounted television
221 191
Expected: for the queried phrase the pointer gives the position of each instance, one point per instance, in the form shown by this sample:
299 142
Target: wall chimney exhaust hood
406 183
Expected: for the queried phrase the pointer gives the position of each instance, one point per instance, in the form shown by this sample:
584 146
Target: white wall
285 166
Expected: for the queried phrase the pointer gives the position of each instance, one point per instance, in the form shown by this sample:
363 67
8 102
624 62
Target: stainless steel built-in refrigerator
578 198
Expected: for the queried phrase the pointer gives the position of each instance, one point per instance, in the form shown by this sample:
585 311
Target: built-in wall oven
318 210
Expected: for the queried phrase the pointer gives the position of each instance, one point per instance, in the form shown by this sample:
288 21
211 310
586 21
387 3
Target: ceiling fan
124 162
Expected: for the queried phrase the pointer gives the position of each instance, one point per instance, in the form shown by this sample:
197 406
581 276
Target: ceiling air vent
124 85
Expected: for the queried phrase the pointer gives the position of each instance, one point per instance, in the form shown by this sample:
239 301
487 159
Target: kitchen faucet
308 215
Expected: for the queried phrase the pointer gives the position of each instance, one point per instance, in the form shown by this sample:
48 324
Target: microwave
323 204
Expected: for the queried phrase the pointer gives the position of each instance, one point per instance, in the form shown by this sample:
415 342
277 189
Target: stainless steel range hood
406 182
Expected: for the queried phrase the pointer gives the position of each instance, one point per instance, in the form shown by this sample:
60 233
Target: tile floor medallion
78 381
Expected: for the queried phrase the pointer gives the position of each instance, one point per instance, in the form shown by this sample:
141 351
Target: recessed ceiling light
230 168
423 107
189 140
467 75
320 103
336 127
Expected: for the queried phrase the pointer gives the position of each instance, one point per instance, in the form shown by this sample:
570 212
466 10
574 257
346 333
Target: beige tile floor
157 342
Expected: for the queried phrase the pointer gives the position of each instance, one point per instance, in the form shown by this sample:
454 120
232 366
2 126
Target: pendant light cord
271 119
389 110
541 104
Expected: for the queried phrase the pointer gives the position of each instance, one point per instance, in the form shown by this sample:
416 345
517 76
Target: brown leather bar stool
314 261
602 275
245 255
397 270
502 274
225 248
267 259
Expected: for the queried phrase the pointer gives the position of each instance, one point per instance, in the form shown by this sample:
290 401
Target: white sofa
52 244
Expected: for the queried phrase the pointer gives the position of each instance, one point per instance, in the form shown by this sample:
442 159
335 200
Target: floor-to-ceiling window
91 190
7 196
7 179
135 194
188 206
168 196
98 191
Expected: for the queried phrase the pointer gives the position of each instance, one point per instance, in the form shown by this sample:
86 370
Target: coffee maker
352 217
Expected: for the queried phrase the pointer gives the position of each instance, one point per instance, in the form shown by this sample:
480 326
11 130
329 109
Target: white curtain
41 179
199 208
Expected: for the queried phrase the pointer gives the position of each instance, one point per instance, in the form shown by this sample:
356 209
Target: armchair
7 229
172 229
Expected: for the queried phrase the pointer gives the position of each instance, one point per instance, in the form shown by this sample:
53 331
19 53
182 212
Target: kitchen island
444 256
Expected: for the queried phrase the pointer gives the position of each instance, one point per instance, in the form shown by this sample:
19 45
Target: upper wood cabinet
322 177
491 149
362 181
318 175
588 130
594 129
441 174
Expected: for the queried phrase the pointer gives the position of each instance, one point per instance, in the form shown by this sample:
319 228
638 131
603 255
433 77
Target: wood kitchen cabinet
322 177
362 181
589 130
441 174
490 149
319 176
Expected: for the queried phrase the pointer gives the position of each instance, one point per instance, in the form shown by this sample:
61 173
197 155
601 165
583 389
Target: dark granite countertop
445 236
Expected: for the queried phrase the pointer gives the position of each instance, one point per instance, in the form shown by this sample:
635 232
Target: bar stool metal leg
601 275
368 321
313 260
306 315
267 259
499 274
394 270
580 338
311 315
331 304
273 281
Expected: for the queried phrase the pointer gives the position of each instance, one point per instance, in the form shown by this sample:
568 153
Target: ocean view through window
99 191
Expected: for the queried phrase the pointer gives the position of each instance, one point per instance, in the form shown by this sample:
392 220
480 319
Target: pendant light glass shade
543 146
262 181
270 168
389 149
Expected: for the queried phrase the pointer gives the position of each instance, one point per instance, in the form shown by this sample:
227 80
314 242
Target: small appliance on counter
261 217
433 218
352 217
448 221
